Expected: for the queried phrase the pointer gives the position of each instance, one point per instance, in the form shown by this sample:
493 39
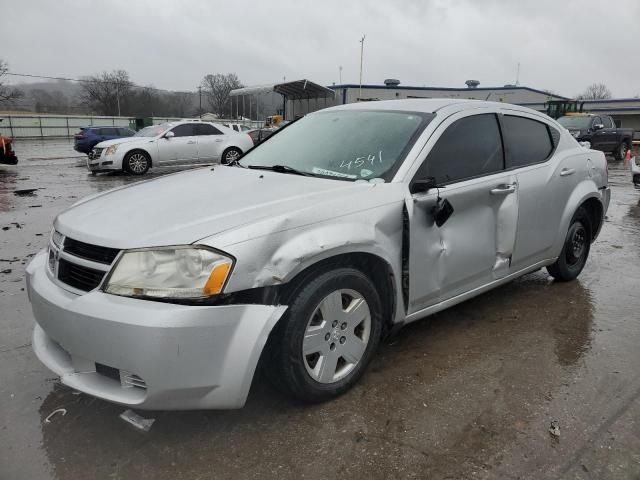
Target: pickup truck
600 131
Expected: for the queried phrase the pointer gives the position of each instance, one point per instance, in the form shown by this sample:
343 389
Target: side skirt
430 310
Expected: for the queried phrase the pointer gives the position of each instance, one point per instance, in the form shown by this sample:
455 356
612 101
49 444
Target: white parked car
174 143
347 224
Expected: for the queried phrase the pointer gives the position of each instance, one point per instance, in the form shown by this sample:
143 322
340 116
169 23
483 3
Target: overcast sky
561 45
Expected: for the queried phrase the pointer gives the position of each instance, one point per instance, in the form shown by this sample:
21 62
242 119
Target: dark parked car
89 137
260 134
600 131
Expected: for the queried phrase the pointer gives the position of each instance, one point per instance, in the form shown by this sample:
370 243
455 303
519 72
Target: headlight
170 272
56 238
111 150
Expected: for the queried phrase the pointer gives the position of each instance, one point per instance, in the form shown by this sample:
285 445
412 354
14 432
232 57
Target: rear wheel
230 155
621 151
136 163
328 336
575 251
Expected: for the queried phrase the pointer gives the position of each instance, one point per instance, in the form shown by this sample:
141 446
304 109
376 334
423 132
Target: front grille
126 379
95 153
107 371
78 276
95 253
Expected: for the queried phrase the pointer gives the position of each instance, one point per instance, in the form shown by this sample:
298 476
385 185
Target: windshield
575 122
343 144
152 131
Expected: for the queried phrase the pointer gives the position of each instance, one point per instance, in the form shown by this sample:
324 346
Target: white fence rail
52 126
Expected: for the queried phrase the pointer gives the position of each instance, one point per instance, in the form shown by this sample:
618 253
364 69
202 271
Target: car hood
189 206
118 141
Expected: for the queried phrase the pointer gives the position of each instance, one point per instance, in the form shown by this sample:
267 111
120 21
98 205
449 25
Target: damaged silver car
338 229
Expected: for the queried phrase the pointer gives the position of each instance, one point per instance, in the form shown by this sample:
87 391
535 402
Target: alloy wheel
137 163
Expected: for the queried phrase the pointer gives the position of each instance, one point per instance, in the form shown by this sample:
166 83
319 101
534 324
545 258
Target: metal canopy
299 89
296 90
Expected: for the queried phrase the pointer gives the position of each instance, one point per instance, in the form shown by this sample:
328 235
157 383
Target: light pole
340 74
200 95
361 55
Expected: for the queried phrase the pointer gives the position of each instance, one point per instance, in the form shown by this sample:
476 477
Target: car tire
136 162
575 250
230 155
323 344
621 151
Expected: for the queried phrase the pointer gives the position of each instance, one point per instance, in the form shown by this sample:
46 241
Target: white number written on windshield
360 161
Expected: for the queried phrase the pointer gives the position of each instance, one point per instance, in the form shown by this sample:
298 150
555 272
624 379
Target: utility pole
200 94
340 74
518 75
361 55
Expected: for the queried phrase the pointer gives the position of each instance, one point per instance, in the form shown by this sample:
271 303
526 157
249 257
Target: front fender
583 191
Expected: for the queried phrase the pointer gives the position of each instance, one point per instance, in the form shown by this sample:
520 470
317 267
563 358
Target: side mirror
169 135
423 185
598 126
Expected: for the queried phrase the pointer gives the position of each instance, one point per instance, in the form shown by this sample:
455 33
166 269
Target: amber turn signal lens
217 278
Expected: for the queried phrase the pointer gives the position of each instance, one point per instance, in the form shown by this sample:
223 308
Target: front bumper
635 171
180 357
101 164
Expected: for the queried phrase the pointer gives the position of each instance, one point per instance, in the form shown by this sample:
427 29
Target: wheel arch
587 196
377 269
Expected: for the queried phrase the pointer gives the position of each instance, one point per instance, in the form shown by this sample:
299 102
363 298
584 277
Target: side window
469 147
206 129
527 141
606 121
184 130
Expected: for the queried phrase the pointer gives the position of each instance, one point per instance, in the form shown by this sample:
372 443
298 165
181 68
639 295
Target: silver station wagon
337 230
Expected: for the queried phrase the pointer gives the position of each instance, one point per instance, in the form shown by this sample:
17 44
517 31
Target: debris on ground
62 411
136 420
554 429
6 270
25 191
34 206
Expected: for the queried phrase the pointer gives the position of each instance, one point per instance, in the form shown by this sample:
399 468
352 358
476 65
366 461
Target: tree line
114 93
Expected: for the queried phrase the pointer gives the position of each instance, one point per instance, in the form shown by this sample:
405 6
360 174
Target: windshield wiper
280 169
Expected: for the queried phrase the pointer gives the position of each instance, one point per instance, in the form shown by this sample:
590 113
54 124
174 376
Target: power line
86 80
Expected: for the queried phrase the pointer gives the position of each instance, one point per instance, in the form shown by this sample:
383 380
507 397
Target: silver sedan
336 231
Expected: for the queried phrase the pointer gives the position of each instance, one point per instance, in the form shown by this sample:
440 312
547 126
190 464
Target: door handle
565 172
504 189
191 142
218 139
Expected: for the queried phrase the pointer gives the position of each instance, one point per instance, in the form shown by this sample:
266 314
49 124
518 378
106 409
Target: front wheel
328 336
575 251
136 163
231 155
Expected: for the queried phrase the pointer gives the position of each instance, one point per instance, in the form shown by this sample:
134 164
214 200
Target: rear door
210 142
474 246
180 149
544 184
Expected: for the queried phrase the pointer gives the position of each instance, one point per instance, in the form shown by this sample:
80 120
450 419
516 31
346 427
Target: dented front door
472 248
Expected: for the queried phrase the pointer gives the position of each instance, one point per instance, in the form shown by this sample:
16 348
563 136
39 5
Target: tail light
79 136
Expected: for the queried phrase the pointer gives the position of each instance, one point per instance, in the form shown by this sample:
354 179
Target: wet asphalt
468 393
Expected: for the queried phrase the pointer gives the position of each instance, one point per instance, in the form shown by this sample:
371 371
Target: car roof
102 126
430 105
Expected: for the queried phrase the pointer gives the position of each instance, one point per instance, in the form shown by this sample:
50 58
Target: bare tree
217 87
107 93
7 94
595 91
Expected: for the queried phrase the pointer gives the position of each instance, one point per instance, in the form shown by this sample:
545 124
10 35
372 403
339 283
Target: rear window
126 132
527 141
